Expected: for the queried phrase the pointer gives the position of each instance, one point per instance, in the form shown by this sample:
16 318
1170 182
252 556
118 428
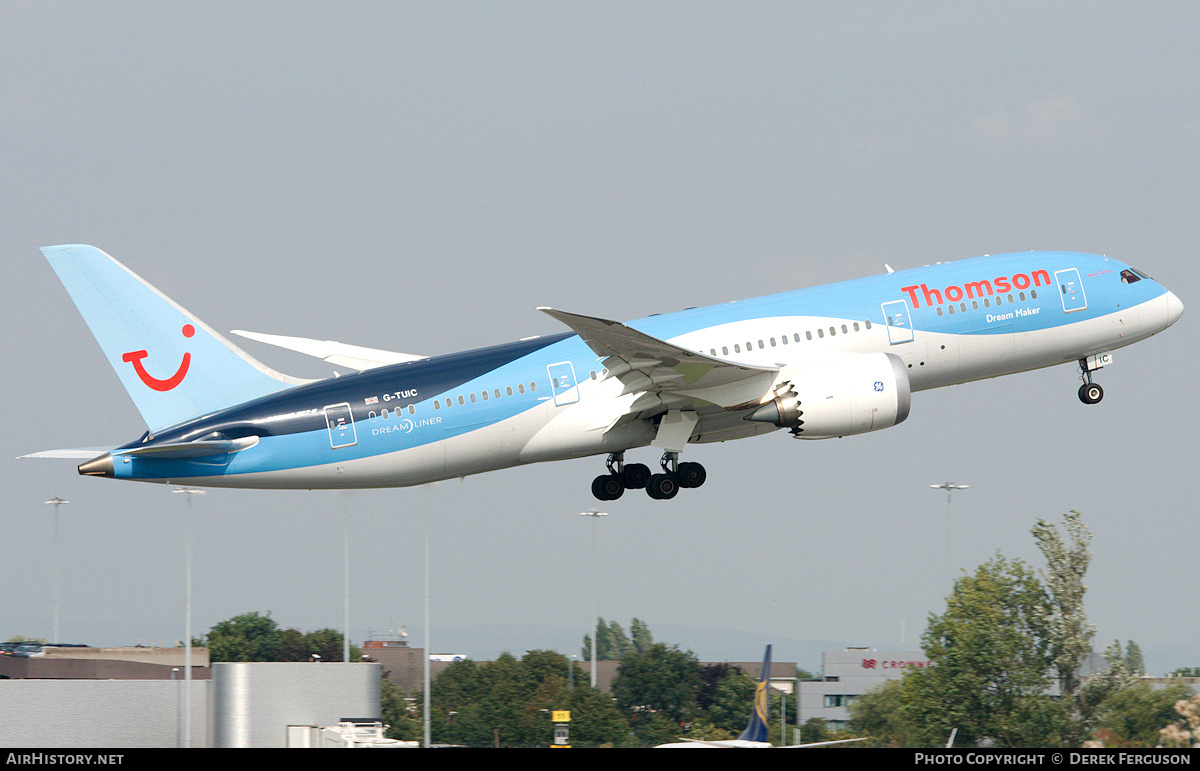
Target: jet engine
860 393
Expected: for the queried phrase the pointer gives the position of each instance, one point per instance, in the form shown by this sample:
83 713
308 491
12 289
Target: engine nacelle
849 396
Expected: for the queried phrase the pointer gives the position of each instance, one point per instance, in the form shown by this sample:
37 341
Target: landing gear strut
1089 392
635 476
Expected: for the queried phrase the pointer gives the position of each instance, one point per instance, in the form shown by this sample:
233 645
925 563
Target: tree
639 632
396 713
256 637
657 691
883 714
1134 659
990 652
1070 636
1132 716
508 702
611 642
726 697
248 637
1186 731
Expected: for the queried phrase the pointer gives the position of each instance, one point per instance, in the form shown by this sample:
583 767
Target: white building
846 675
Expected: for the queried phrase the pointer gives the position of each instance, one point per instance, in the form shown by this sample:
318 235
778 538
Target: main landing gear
636 476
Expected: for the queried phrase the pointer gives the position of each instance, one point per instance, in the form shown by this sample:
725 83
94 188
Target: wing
352 356
665 376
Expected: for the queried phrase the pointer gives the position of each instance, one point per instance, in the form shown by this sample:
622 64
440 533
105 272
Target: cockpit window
1132 276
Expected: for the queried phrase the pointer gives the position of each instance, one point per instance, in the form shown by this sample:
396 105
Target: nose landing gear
1089 392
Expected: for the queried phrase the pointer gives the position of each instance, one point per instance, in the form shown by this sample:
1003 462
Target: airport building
138 697
848 674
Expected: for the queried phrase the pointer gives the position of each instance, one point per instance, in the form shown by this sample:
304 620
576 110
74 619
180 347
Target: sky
420 177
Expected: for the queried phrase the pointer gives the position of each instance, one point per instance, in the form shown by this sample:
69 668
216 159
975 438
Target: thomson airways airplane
823 362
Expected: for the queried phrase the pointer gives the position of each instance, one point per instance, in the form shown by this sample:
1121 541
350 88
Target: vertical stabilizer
173 365
756 729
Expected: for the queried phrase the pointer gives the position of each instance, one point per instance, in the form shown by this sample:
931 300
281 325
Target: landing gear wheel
691 474
635 476
662 487
1090 393
607 487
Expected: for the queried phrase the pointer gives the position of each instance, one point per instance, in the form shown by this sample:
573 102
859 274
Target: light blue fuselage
555 397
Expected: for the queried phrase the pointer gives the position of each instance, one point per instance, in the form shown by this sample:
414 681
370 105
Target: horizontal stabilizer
76 453
201 449
104 466
341 354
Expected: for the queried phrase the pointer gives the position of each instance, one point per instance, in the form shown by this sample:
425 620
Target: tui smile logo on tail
135 358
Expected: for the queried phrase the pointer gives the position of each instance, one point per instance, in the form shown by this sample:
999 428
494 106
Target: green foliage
1134 659
1186 672
727 698
612 644
248 637
397 713
1067 630
663 680
508 703
1132 716
657 691
640 637
883 714
1004 638
1185 731
256 637
991 652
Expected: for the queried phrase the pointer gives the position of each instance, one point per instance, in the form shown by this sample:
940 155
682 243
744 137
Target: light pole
56 502
593 514
190 492
949 487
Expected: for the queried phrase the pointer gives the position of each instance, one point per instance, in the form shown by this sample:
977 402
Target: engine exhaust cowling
855 395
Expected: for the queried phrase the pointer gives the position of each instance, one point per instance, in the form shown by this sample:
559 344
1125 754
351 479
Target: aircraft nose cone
1174 308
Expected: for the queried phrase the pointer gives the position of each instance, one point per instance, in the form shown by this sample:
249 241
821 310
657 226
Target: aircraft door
341 425
562 383
899 323
1071 288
